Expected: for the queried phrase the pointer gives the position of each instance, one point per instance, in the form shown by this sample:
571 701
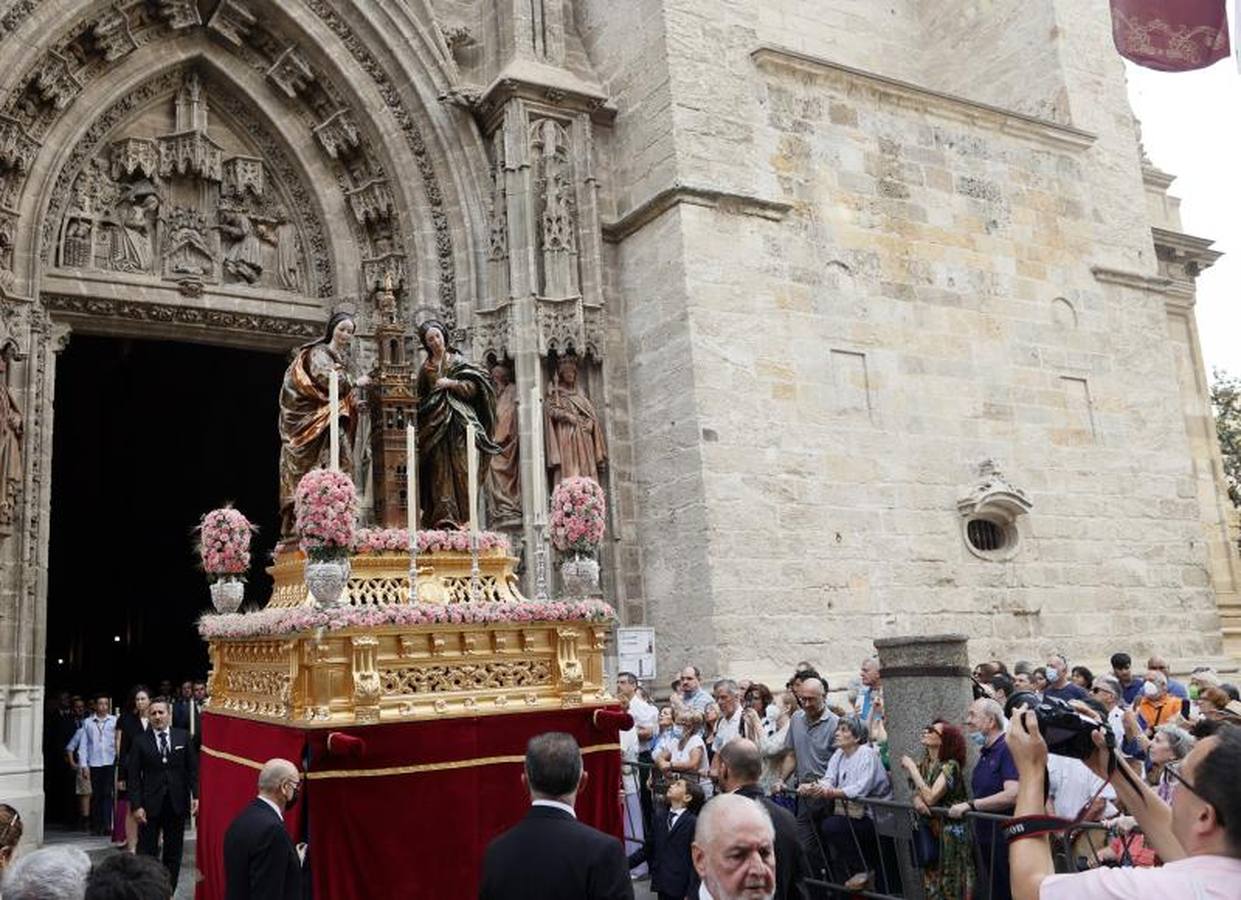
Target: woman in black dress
129 727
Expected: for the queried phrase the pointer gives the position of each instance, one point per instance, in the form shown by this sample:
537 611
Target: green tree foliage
1226 403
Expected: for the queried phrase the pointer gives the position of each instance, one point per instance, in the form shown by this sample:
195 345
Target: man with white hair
734 850
994 784
260 861
53 873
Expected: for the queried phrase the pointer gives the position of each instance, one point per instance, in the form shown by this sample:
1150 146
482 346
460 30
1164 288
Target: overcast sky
1191 126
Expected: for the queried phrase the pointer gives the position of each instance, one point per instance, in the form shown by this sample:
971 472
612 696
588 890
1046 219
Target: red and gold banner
1170 35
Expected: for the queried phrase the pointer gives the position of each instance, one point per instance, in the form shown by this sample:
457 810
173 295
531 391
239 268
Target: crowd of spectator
820 763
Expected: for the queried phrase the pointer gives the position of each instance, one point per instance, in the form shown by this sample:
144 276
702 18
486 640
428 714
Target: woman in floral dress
939 780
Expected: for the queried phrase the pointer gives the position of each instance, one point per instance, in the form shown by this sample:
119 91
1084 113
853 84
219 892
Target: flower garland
224 544
577 515
288 620
396 540
325 508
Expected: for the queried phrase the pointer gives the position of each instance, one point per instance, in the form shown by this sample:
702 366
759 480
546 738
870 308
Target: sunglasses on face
931 729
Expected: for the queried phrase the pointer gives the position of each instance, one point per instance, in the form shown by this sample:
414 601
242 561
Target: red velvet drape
414 820
225 786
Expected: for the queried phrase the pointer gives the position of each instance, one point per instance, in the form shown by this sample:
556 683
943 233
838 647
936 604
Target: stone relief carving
173 205
572 324
233 21
549 144
11 427
338 134
207 319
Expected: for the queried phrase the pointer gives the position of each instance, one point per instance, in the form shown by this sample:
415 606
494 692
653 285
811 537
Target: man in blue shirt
994 785
95 746
1122 668
1058 684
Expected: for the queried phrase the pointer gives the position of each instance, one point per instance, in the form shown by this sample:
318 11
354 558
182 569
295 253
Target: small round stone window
989 539
985 536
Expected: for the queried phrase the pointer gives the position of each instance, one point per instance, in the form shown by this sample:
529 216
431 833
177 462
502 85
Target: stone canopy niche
174 196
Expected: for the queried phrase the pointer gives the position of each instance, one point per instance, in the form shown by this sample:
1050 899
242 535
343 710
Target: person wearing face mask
260 860
1058 683
994 785
1157 707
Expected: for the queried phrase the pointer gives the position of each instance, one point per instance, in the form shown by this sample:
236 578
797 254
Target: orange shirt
1165 712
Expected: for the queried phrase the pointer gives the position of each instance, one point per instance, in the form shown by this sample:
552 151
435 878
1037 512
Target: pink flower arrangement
290 620
224 544
577 515
325 507
396 540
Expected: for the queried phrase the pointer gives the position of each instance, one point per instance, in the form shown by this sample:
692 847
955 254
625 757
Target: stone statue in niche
305 438
10 444
575 443
133 251
504 473
79 244
451 392
243 258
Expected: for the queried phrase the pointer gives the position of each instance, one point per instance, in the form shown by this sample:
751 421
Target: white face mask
1150 689
1053 674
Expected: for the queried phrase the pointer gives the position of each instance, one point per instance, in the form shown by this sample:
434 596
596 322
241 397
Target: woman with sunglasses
939 780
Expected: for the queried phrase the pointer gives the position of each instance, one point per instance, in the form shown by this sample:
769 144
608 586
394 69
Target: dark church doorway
148 436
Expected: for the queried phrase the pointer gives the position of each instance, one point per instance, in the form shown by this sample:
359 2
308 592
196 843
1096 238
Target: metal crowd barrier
896 875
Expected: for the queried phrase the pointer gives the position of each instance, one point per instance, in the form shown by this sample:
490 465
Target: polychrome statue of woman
305 439
452 392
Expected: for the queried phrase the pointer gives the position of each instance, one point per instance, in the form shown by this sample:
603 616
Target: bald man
734 850
260 861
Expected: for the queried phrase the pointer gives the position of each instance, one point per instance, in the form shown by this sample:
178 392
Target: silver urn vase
580 574
327 580
227 594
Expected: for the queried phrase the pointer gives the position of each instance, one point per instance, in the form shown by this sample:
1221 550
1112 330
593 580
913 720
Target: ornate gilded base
390 674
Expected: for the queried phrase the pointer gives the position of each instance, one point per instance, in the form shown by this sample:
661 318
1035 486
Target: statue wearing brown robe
574 437
504 475
452 392
305 440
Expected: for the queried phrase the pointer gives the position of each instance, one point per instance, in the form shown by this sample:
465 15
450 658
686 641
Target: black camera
1065 731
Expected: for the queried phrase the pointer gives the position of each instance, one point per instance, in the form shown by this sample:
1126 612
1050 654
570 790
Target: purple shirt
995 766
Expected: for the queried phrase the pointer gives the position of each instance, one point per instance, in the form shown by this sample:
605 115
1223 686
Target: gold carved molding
409 672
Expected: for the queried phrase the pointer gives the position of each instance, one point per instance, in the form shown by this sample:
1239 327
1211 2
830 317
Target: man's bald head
734 849
275 773
740 764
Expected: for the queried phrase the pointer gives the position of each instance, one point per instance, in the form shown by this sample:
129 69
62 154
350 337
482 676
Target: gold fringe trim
401 770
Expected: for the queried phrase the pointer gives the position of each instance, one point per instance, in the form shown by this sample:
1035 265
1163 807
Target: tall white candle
471 451
539 487
333 406
411 483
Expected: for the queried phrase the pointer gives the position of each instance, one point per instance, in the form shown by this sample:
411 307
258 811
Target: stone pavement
99 847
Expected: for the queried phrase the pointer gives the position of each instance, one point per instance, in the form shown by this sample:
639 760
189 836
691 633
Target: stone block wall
867 290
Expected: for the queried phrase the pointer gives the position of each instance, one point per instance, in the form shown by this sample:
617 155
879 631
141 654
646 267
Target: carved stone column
34 341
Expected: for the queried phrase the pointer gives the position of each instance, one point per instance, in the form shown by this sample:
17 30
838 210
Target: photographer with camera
1198 837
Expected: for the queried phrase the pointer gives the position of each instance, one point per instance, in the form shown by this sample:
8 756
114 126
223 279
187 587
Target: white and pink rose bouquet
577 521
325 508
224 544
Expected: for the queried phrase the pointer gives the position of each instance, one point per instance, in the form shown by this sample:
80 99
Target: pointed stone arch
349 85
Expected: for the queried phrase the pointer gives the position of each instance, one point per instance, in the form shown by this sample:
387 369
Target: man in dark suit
163 786
549 855
739 768
187 714
260 861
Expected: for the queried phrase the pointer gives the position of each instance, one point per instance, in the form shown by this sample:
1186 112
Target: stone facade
844 275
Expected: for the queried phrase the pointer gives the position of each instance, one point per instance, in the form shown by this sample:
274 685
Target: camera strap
1037 826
